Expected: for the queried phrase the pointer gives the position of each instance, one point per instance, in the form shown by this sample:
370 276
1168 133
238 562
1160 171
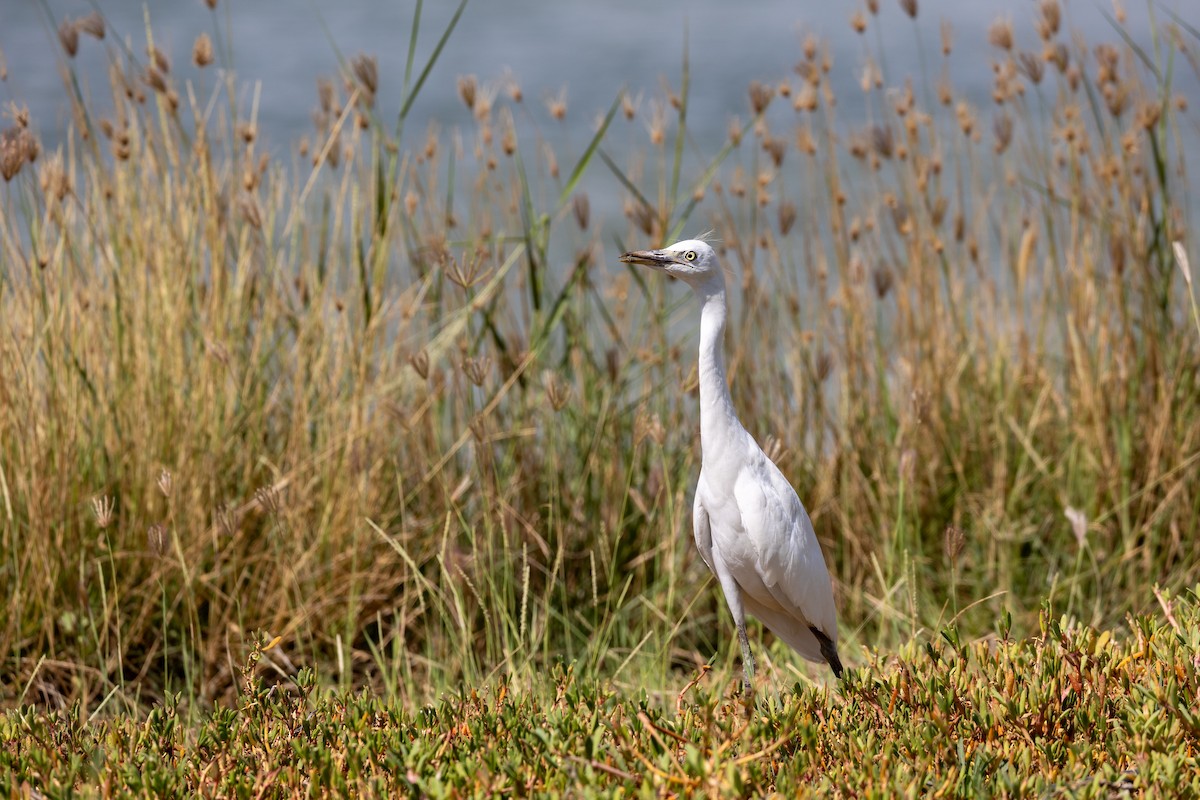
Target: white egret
751 528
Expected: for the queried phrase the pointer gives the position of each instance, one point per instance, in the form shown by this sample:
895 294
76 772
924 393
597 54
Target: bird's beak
648 258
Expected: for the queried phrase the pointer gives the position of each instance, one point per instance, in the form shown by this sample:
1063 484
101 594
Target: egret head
692 260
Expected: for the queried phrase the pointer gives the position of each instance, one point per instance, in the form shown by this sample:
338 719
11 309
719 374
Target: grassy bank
388 396
1071 713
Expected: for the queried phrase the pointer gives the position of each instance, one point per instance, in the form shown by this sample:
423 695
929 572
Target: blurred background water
586 49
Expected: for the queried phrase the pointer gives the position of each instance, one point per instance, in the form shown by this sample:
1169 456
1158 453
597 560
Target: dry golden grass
396 403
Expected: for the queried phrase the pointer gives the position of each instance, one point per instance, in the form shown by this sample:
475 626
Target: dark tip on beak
649 258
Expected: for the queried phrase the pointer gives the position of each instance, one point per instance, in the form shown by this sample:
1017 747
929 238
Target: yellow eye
690 255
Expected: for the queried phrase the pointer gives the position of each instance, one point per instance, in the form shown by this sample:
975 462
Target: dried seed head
165 482
1032 67
735 131
775 148
161 62
1108 59
1002 128
1000 34
947 37
557 105
1116 97
226 519
477 369
966 119
954 541
627 106
1049 19
824 366
883 141
582 209
12 153
873 7
212 4
92 25
760 97
883 279
53 179
68 36
858 21
1079 524
648 426
155 80
858 146
1181 258
269 499
366 71
558 391
250 211
103 507
466 273
909 7
326 95
787 217
420 363
202 51
1148 114
156 539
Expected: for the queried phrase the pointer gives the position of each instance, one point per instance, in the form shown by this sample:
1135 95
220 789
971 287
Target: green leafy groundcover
1074 712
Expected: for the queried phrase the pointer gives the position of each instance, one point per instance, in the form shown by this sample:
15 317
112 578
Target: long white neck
718 422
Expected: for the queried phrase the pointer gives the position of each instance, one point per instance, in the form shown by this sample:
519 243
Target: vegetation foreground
386 397
1070 713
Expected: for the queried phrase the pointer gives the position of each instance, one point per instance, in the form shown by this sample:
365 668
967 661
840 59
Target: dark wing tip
828 650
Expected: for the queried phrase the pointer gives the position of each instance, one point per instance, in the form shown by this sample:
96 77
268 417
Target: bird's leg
747 657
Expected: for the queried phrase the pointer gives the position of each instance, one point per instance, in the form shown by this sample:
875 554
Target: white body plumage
751 528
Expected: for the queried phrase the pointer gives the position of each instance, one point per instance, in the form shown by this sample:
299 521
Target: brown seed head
1000 34
156 539
558 391
29 145
92 25
909 7
68 36
1032 67
1002 128
775 148
161 62
557 105
1148 114
954 540
787 217
873 7
366 71
883 141
760 97
477 369
1108 58
155 80
53 179
947 37
103 507
12 153
858 21
202 51
582 209
1049 19
212 4
883 279
420 363
467 88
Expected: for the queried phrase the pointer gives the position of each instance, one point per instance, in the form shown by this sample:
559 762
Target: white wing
702 526
790 562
